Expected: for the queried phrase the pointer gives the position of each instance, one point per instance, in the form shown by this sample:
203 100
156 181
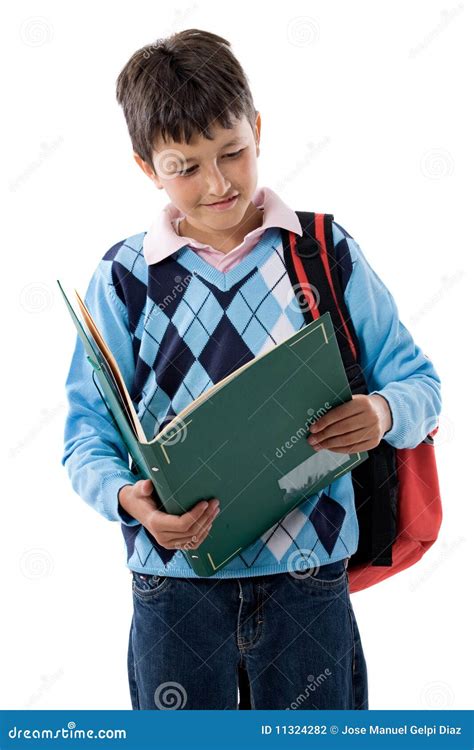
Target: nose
217 184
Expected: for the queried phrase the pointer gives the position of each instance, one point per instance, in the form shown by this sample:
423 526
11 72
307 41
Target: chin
225 217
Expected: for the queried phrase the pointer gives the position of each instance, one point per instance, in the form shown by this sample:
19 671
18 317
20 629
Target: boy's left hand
357 425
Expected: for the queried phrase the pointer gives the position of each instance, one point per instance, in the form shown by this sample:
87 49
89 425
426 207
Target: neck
227 239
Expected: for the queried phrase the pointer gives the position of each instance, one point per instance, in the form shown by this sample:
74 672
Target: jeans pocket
146 585
327 576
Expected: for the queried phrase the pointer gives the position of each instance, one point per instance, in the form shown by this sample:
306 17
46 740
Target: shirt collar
161 240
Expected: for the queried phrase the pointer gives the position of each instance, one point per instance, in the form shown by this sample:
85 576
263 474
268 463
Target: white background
365 115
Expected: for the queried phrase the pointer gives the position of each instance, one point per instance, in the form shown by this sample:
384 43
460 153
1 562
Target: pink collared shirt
162 239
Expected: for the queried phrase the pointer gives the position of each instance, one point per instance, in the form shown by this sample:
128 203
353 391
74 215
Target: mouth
224 204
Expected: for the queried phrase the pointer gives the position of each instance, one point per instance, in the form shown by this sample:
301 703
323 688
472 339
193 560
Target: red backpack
396 490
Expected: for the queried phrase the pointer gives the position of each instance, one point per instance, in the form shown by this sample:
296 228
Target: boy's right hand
187 531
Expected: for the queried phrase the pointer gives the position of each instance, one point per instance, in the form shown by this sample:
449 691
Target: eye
187 172
235 153
191 170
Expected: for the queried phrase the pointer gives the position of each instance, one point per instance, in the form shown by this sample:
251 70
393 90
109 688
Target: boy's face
204 171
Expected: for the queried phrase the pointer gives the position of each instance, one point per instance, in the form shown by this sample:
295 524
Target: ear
258 125
145 167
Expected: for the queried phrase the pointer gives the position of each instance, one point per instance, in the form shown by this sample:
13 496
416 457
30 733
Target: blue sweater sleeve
95 455
393 365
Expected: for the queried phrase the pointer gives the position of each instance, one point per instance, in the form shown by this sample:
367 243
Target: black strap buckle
307 246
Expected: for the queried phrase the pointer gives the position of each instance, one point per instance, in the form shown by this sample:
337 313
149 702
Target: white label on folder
310 471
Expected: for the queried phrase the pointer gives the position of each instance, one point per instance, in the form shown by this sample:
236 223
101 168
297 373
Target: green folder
242 441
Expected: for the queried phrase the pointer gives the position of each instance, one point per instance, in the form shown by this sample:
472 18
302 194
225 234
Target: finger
342 427
185 544
338 413
190 541
187 520
204 521
351 449
173 536
144 487
181 524
349 437
201 522
356 448
199 538
197 528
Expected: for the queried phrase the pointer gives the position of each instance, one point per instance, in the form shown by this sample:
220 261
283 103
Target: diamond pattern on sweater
327 519
194 327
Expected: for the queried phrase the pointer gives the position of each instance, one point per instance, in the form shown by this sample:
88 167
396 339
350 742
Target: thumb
146 486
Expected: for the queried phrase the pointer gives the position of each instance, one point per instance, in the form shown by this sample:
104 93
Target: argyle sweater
177 327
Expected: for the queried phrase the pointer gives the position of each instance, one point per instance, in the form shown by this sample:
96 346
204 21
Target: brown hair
179 86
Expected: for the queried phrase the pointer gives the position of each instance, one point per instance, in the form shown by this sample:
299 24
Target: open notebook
243 440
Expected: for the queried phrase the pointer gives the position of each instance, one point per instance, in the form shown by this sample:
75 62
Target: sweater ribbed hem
244 573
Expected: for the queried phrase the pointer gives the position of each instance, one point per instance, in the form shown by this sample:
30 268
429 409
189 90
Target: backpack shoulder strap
314 270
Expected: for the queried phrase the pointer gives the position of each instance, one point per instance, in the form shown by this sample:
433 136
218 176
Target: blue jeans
294 638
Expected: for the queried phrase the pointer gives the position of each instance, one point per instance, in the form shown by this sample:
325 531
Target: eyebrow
233 142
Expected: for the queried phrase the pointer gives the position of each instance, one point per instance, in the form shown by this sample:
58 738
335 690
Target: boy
181 306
